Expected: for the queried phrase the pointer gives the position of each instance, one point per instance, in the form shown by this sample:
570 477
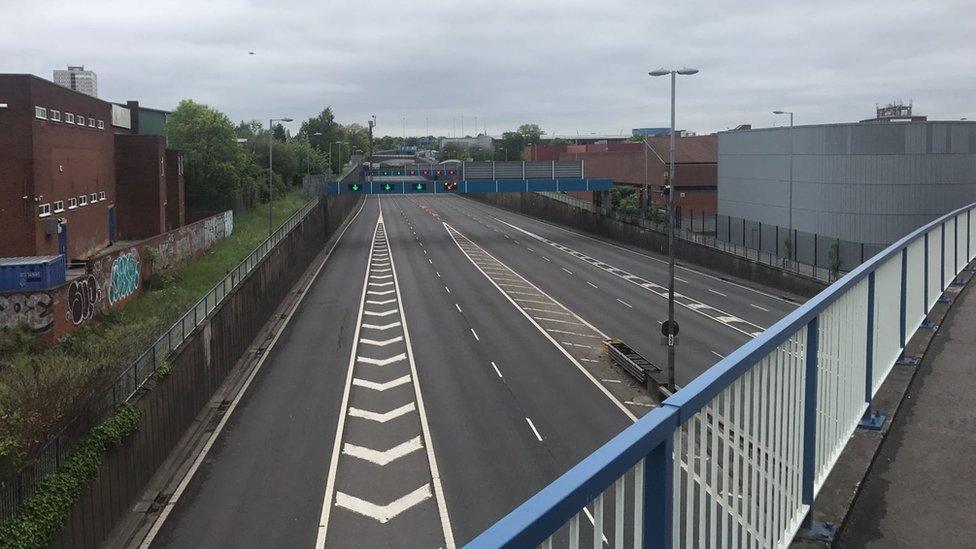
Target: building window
101 195
58 206
40 112
91 122
80 119
83 200
69 118
101 124
93 197
55 115
44 210
72 203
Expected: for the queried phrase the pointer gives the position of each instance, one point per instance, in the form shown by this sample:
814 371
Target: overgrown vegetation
41 389
41 516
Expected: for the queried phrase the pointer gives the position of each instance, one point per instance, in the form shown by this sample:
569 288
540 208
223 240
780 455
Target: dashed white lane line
475 334
717 293
497 371
546 258
567 270
625 303
459 308
448 289
718 355
595 287
681 280
758 307
534 430
438 274
429 261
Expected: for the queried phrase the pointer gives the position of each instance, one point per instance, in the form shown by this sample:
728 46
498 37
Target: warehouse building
856 186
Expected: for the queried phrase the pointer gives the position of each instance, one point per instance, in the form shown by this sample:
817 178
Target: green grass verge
40 389
42 515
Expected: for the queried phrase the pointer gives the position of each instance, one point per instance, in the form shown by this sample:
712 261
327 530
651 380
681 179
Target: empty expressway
444 365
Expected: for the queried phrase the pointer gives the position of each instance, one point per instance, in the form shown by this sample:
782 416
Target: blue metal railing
737 456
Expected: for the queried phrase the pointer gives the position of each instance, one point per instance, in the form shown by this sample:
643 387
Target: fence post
904 296
658 495
821 531
760 237
816 239
744 234
942 284
777 240
872 419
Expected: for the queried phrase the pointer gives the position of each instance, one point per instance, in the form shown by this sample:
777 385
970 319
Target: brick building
645 165
57 169
74 178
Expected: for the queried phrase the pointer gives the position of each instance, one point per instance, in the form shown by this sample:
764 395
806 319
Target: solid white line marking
542 318
592 284
383 513
497 371
717 293
381 417
625 303
382 457
381 386
383 327
534 430
718 355
758 307
571 333
384 313
459 308
567 270
378 343
475 334
382 361
547 311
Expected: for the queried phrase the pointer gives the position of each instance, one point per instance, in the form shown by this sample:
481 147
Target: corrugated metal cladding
865 182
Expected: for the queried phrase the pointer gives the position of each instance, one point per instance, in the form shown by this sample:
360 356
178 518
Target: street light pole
271 122
671 329
790 213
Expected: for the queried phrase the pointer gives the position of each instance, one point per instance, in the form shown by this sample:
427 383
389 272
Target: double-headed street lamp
271 122
790 215
671 328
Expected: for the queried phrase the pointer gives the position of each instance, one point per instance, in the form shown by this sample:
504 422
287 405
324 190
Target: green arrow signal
355 187
387 186
419 186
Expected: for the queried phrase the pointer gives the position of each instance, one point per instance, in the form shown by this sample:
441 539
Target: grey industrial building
863 184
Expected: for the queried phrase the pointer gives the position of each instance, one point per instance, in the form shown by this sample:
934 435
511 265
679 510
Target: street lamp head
287 120
779 112
685 71
659 72
317 133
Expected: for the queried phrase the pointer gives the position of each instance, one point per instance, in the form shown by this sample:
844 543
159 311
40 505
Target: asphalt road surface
445 365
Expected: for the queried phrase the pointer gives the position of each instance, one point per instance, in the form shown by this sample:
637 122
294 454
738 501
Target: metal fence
737 456
707 231
16 488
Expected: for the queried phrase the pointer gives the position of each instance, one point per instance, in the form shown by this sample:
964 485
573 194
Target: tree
511 145
531 133
833 257
279 132
325 125
216 168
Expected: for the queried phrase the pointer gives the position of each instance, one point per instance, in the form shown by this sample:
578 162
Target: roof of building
48 82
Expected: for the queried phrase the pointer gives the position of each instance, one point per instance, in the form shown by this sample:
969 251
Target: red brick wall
47 161
140 180
175 191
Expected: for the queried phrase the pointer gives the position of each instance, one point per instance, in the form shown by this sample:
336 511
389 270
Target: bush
42 515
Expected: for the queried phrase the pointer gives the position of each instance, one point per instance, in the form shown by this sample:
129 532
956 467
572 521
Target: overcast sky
568 66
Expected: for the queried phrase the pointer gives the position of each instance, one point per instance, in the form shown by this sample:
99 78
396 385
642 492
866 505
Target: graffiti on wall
179 246
83 295
124 278
34 310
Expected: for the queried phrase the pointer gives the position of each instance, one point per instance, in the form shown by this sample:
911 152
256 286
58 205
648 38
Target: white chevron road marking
378 327
378 343
380 284
382 361
381 386
385 416
384 302
384 292
385 456
380 277
384 313
383 513
381 270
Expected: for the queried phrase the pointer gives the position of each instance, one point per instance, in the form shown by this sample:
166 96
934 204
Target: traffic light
355 187
420 186
450 185
387 187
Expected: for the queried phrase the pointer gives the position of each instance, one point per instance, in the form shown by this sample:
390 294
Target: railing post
872 419
658 495
942 283
811 529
